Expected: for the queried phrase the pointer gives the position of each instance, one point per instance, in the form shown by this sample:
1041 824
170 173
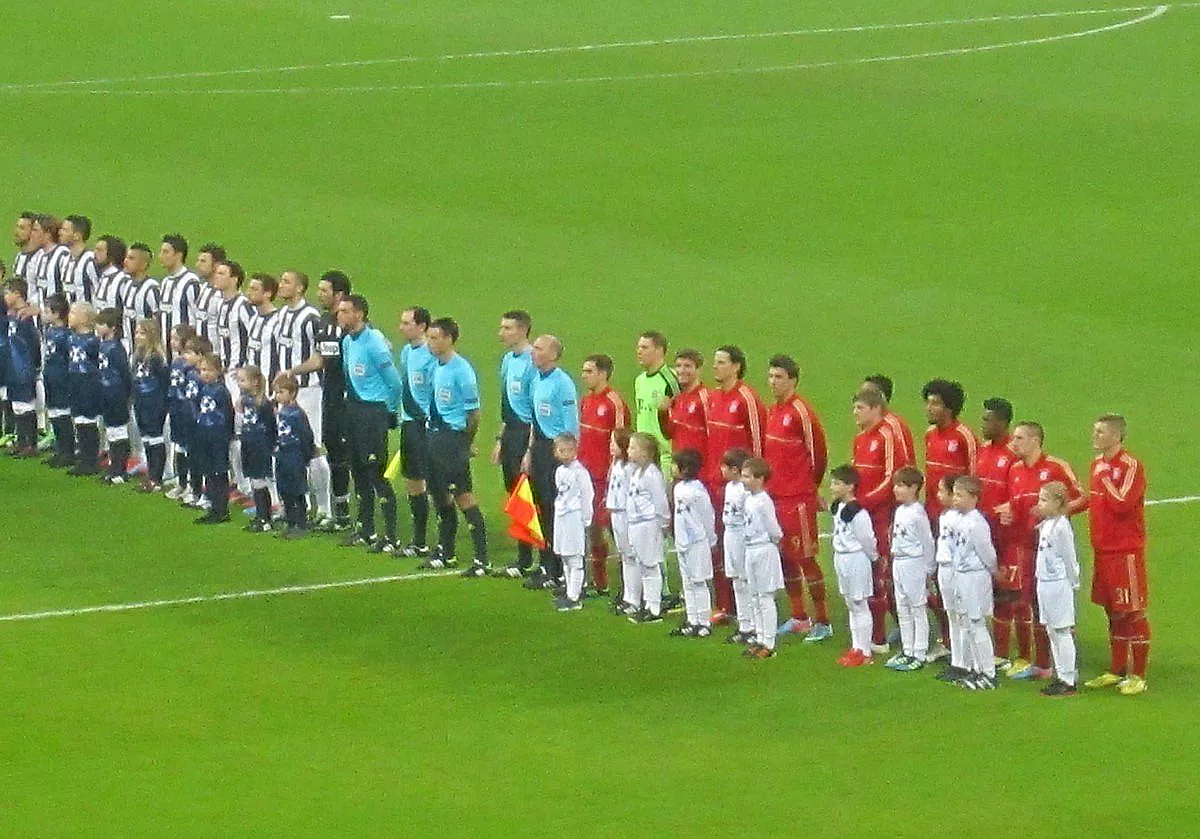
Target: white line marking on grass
112 608
217 598
339 17
613 45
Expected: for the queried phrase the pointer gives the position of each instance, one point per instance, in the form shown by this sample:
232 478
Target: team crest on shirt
417 377
103 362
952 446
78 356
285 428
787 420
1116 474
733 406
692 408
601 411
544 409
208 405
514 387
1044 475
874 445
1001 461
360 369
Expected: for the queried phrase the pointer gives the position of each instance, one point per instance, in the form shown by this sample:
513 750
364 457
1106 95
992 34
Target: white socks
573 566
1062 653
743 602
318 479
652 588
914 630
860 625
765 616
631 581
983 659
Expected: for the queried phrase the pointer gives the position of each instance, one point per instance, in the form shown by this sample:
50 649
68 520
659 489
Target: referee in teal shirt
372 396
555 411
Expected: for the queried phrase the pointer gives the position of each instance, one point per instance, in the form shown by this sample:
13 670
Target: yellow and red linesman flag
525 526
393 468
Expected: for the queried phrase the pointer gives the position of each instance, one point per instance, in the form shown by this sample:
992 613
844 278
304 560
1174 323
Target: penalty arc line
1157 12
114 608
65 86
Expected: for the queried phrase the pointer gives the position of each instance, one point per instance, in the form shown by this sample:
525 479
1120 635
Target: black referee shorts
414 450
514 442
449 464
333 430
366 425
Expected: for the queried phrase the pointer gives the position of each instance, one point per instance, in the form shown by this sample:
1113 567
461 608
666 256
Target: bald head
547 350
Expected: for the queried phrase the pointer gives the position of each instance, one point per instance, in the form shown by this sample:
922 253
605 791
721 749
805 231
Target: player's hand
822 503
1004 514
496 454
474 450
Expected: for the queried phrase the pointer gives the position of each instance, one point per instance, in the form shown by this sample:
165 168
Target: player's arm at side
865 532
1132 491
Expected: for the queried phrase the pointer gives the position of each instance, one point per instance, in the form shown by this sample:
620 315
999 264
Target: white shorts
235 396
695 562
734 544
945 580
570 539
854 574
910 582
646 543
973 594
620 532
1056 603
764 570
310 401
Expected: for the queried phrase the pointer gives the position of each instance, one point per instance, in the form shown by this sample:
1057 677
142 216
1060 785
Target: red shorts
1119 581
1017 573
798 549
601 517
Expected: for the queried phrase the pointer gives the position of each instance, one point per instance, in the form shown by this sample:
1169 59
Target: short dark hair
758 467
692 355
687 461
339 283
521 317
951 394
735 458
946 484
59 304
883 383
82 225
420 315
214 250
999 406
787 364
448 326
301 277
18 285
177 243
655 337
359 304
845 473
140 246
111 318
28 215
909 476
49 223
236 271
268 281
116 249
969 484
604 363
736 356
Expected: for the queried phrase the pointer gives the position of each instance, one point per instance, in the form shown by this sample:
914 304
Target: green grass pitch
1009 202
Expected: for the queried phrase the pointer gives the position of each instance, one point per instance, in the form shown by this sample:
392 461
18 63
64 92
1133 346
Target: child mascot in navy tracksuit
56 374
116 388
294 448
23 363
210 444
258 443
83 377
151 383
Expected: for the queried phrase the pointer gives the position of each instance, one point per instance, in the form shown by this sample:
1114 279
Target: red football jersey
948 451
993 462
736 418
599 415
1118 503
686 425
906 450
1024 483
877 455
795 448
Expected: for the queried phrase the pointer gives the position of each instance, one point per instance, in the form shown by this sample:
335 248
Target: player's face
37 236
255 293
543 353
66 233
222 279
963 501
729 473
1024 443
169 257
209 374
640 453
593 379
101 253
326 295
686 372
511 333
22 231
782 385
136 261
1104 437
614 451
945 497
935 410
409 328
724 368
649 354
839 489
348 317
564 452
994 427
753 483
905 493
284 396
139 335
439 341
204 265
865 415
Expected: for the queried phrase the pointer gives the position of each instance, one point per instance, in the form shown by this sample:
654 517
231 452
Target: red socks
795 592
1002 625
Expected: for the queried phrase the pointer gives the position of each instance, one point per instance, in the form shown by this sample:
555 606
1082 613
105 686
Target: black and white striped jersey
81 277
51 273
233 330
141 300
110 289
260 344
178 292
206 312
21 264
296 340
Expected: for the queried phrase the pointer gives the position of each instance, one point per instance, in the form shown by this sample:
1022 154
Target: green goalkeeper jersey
649 390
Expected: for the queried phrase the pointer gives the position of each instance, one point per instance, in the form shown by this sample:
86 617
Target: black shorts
414 451
366 425
333 431
514 442
450 464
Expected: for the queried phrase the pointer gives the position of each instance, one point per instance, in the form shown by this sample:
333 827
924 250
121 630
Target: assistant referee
372 396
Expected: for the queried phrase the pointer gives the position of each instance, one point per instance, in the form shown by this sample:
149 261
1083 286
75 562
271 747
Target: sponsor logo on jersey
359 369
